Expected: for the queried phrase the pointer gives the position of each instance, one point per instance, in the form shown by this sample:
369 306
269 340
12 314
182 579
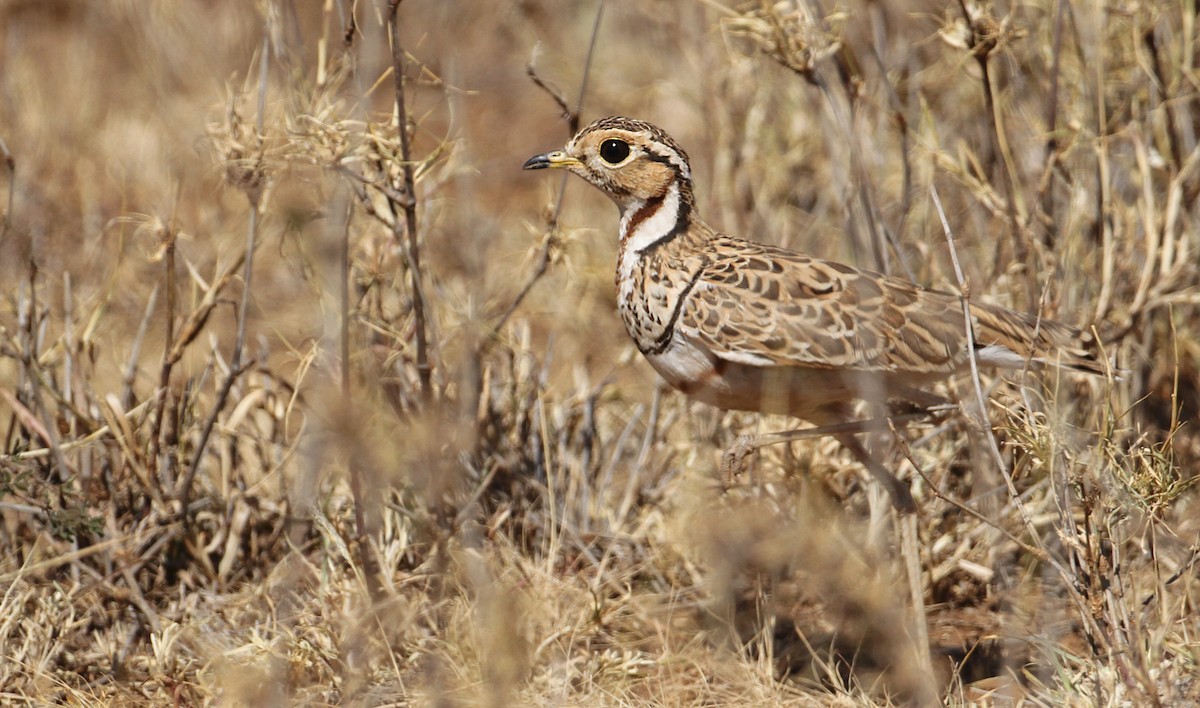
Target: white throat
651 228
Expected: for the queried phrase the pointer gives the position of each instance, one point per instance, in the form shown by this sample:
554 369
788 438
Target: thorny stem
409 204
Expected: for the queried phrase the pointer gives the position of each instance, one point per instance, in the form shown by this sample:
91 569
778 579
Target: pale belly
807 393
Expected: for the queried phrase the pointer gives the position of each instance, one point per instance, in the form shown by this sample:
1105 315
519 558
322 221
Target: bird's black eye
614 151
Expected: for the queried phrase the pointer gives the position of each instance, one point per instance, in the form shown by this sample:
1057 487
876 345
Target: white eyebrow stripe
676 160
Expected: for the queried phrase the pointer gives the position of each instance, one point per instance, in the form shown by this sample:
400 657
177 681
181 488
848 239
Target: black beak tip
537 162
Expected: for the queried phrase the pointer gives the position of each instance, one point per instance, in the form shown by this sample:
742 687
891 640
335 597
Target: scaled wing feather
757 303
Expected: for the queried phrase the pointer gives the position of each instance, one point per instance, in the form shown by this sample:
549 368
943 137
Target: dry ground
406 453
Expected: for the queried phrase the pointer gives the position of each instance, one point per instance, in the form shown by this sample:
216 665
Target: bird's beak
558 158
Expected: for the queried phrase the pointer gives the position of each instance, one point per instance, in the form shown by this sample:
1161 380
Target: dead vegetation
310 395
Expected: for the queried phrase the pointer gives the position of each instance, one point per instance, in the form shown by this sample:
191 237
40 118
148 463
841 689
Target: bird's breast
648 295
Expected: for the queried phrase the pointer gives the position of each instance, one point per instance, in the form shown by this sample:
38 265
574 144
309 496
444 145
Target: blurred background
410 455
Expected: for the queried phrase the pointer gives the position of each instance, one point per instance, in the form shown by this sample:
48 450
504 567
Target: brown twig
572 118
906 450
28 325
10 164
1163 82
850 78
901 122
986 35
164 373
69 344
980 399
551 90
1051 150
183 489
135 351
411 245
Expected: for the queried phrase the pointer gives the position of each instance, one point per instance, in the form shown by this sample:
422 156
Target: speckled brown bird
747 326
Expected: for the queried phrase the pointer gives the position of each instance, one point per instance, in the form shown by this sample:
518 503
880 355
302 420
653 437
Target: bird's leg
734 460
901 496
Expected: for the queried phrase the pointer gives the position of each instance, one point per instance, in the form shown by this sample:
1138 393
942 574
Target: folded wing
759 305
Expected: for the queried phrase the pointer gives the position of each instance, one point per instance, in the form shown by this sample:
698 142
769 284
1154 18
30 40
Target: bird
744 325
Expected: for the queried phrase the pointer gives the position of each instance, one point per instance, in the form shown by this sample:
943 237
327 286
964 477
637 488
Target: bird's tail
1010 339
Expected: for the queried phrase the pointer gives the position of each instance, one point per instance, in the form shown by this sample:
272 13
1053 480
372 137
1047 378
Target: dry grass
405 454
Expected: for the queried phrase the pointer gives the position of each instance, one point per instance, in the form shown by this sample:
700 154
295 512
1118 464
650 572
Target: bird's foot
736 458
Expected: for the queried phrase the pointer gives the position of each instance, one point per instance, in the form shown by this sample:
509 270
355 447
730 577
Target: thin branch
412 245
554 92
848 75
551 238
255 197
906 450
1051 150
135 351
164 374
29 319
986 36
184 488
573 123
980 399
901 121
344 314
1163 83
10 164
342 233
